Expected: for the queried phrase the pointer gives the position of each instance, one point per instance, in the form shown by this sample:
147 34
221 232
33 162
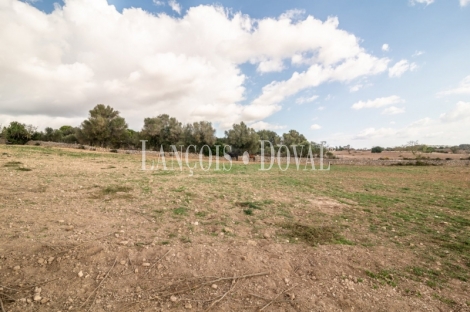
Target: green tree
199 133
243 138
162 130
104 127
17 133
377 149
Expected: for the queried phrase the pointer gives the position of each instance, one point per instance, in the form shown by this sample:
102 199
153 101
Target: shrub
377 149
113 150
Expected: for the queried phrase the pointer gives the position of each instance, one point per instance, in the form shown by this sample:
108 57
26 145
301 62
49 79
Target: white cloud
292 14
463 88
385 47
427 2
393 110
270 66
86 52
321 108
464 2
262 125
158 3
175 6
418 53
379 102
315 127
461 112
400 68
303 100
355 88
446 130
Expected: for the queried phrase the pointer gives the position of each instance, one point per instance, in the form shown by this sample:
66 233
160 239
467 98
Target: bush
16 133
113 150
377 149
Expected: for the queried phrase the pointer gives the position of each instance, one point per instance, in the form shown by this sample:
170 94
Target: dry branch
94 290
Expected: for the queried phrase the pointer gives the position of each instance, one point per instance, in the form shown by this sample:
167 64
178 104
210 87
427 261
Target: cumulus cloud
461 112
379 102
315 127
303 100
385 47
158 3
86 52
426 2
445 130
262 125
464 2
463 88
175 6
270 66
400 68
355 88
393 110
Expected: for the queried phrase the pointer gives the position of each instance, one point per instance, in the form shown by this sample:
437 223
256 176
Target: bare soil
88 231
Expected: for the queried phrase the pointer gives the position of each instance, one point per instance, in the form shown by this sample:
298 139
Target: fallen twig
158 260
223 296
277 296
215 281
1 305
94 290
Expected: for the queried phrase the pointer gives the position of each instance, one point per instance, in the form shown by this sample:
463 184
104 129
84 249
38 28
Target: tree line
106 128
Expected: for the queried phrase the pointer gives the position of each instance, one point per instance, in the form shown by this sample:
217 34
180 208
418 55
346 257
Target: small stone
61 221
41 261
196 223
28 300
173 298
160 266
50 260
37 297
138 289
146 264
188 306
44 300
214 286
136 271
123 262
23 300
251 243
37 290
243 258
286 280
266 235
228 230
80 274
69 228
16 268
123 242
116 235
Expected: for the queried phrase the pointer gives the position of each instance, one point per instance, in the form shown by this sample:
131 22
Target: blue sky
362 73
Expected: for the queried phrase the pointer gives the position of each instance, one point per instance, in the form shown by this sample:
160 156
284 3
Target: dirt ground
88 231
392 155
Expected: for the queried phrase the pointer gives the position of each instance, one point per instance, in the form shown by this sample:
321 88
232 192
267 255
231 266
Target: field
89 231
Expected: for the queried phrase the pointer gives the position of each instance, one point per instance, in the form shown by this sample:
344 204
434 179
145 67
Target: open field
88 231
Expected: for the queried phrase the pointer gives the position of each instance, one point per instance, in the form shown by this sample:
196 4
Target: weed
12 164
248 211
180 211
312 235
23 169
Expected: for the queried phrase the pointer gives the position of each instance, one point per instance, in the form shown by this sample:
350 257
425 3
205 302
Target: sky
362 73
